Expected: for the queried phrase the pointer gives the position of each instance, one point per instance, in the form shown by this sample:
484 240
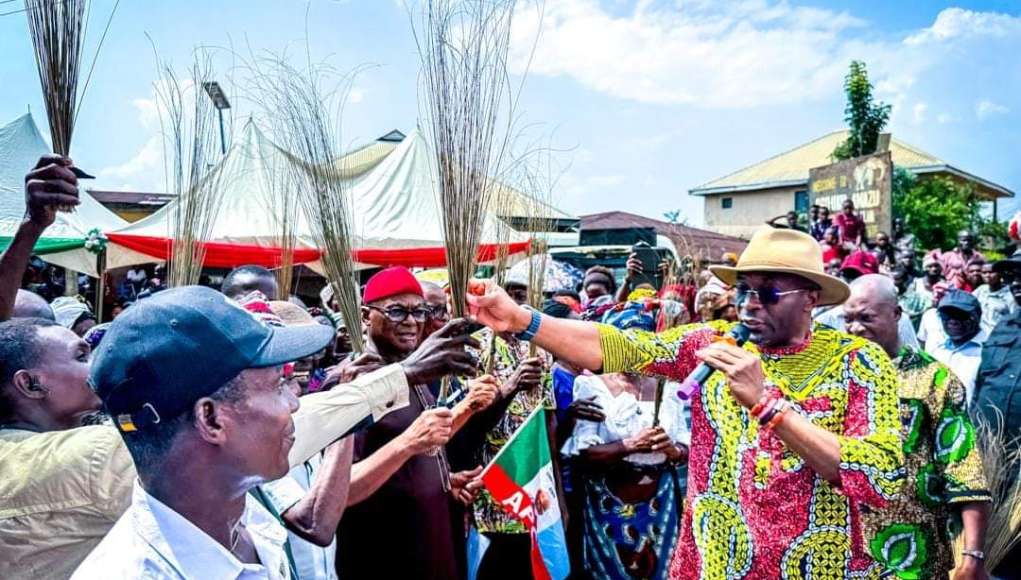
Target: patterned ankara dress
756 510
912 536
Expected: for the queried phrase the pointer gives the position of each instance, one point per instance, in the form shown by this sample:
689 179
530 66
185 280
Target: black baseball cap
957 299
166 352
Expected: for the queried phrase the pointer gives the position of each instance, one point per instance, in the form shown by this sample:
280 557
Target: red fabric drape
229 255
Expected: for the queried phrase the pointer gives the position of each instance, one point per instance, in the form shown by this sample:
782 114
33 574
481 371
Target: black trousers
508 556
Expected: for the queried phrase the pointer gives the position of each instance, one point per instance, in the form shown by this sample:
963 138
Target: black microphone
702 372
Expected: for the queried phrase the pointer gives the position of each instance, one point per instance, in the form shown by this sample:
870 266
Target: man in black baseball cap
196 386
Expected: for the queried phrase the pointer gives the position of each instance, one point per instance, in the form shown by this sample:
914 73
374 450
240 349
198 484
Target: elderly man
796 434
397 495
961 347
932 401
955 262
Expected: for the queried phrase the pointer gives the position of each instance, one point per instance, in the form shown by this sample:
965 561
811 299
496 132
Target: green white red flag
521 478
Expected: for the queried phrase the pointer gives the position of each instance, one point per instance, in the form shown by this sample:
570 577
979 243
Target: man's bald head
873 312
877 288
31 305
244 279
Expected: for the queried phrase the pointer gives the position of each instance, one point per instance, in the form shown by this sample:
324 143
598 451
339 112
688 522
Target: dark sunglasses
767 295
398 314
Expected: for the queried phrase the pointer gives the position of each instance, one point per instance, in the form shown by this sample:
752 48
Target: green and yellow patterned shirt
911 537
489 515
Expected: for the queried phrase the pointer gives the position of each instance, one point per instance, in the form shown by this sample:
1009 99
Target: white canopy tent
395 206
21 146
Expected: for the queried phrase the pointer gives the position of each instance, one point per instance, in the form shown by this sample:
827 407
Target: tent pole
101 287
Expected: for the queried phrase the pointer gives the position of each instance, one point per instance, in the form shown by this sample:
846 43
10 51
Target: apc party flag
521 479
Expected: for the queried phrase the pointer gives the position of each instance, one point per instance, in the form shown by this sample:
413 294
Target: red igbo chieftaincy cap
391 282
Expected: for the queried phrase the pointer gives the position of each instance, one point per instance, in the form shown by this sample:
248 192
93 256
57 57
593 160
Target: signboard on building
867 181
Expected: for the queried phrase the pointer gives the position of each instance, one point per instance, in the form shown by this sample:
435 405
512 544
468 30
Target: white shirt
834 318
625 416
312 562
964 360
930 330
152 541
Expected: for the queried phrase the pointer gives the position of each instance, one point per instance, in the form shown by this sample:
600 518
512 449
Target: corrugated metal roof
790 168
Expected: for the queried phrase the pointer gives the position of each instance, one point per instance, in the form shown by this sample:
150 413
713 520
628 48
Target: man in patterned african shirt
944 468
791 441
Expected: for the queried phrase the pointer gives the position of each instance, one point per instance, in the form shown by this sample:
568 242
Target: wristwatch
977 554
533 326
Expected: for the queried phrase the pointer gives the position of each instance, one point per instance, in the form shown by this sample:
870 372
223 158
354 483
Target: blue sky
650 98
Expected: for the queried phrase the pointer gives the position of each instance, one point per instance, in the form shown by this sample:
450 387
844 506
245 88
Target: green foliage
865 118
936 209
672 216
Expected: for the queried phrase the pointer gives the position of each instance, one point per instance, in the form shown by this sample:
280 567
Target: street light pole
220 102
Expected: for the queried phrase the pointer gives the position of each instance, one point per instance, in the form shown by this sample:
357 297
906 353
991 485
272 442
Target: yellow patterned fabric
508 354
757 510
912 536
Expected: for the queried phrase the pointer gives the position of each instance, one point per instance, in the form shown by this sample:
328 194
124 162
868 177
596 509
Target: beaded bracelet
778 416
768 399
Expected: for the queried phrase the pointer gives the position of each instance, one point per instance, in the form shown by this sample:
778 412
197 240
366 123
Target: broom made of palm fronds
57 29
464 48
503 210
286 207
305 122
188 119
1001 464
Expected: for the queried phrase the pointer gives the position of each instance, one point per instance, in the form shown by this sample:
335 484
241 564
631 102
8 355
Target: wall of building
749 210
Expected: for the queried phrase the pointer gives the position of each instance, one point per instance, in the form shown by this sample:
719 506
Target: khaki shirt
62 491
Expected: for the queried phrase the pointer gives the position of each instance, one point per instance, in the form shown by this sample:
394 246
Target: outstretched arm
574 341
50 185
316 516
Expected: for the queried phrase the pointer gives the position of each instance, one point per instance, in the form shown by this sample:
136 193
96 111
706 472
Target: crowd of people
234 433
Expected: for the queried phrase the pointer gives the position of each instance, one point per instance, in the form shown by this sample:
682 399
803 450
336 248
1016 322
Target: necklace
235 534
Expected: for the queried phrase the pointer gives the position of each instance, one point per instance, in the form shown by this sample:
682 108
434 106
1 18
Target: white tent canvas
395 206
21 146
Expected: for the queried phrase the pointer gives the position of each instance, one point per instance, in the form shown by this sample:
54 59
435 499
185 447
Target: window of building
727 202
801 201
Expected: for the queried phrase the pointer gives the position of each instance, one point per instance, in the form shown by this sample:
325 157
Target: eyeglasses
766 295
438 312
398 314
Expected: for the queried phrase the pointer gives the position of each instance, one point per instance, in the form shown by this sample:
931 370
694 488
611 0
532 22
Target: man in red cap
397 501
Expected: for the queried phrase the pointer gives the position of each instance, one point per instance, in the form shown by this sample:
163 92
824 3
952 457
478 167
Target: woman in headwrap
629 470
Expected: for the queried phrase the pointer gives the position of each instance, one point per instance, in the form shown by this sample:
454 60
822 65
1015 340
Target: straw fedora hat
786 251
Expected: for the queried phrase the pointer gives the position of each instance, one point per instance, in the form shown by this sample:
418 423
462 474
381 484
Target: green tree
937 208
865 118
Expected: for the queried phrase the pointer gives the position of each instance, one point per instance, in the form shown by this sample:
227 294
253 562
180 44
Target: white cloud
986 108
945 118
954 23
725 54
918 112
143 172
747 53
